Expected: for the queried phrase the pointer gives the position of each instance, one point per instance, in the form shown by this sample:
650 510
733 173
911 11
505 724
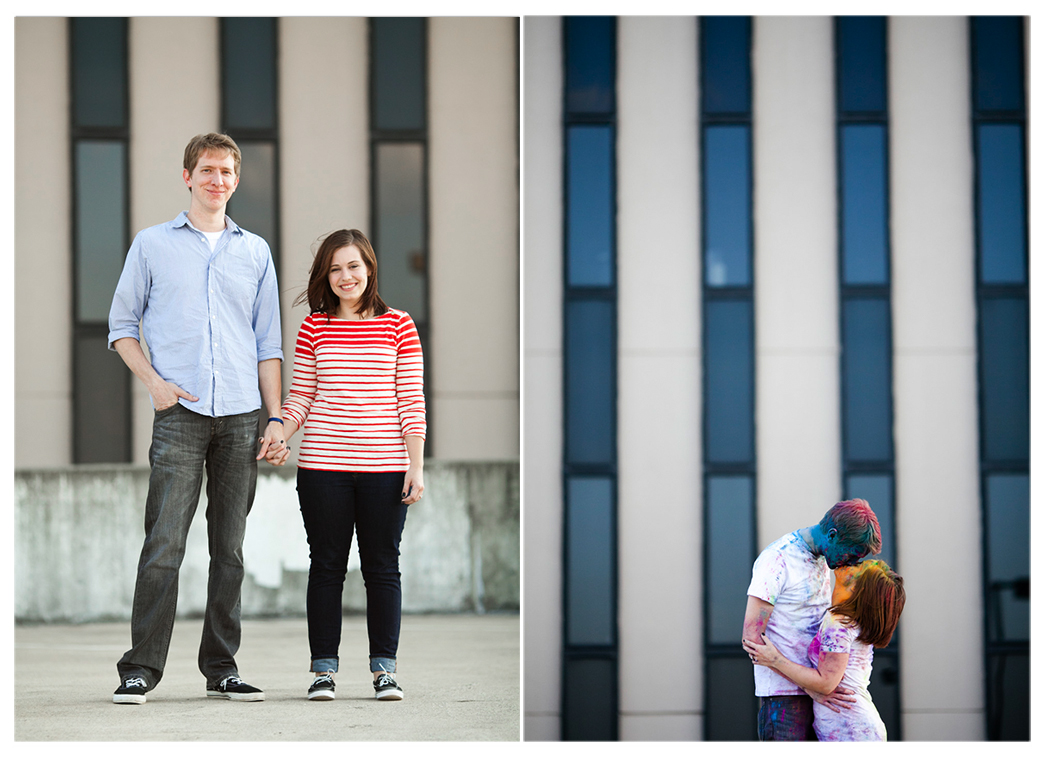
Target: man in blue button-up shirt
203 293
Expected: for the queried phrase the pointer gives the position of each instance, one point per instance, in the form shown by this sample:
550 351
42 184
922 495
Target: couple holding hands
202 291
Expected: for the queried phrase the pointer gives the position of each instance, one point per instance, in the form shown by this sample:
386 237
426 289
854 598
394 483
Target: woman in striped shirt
357 394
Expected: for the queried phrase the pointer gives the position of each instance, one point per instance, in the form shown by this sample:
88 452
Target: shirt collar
182 220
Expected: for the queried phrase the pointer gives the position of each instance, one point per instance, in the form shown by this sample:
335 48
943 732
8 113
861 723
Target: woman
866 608
357 394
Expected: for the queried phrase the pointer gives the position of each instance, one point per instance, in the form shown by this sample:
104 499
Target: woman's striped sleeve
410 397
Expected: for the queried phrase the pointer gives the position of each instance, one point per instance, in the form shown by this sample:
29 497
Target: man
789 593
204 292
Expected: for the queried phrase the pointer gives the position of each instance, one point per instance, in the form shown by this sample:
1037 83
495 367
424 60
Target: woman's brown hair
321 299
875 605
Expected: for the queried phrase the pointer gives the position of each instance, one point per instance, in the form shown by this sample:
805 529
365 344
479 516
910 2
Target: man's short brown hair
211 141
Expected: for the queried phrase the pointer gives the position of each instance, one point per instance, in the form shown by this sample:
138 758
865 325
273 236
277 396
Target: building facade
771 263
404 128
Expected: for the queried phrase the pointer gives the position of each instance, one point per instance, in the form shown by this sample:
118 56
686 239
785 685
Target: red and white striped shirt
357 391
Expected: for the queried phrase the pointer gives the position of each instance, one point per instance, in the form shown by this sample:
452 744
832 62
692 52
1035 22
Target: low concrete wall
78 533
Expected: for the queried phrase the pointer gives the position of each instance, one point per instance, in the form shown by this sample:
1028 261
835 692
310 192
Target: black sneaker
386 688
322 688
131 692
231 687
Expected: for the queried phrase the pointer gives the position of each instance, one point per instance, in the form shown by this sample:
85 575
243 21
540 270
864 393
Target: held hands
273 447
413 485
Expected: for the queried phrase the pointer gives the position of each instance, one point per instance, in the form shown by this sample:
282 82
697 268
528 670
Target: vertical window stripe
729 480
590 669
99 129
999 124
866 368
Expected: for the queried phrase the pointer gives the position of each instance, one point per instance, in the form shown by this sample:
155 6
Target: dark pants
184 445
786 719
333 505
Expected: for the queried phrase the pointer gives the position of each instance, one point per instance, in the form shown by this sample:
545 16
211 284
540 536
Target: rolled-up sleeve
267 330
131 297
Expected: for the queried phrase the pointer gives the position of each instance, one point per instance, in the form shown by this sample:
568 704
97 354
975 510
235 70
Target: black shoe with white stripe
231 687
322 688
131 692
386 688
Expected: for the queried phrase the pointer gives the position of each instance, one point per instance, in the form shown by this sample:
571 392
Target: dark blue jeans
184 446
786 719
333 505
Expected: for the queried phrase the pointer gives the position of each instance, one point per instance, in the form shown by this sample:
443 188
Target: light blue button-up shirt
207 318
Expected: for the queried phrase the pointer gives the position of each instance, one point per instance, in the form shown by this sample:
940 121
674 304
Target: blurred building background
406 128
770 263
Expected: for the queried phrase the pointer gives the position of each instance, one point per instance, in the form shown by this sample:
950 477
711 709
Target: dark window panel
590 206
398 75
877 490
590 401
885 687
1000 189
249 68
865 210
101 405
998 63
726 64
590 65
400 233
727 202
590 699
867 380
731 707
730 554
101 225
861 64
729 376
1008 557
590 554
253 206
99 72
1009 699
1005 379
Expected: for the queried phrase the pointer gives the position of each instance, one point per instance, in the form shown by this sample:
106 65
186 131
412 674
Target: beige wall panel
174 95
658 275
488 440
473 264
935 374
955 726
664 728
43 245
542 388
796 281
324 149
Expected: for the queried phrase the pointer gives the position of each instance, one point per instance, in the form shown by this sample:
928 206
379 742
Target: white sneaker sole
389 695
256 697
128 699
321 696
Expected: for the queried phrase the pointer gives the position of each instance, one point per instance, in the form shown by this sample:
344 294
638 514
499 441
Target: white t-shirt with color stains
798 585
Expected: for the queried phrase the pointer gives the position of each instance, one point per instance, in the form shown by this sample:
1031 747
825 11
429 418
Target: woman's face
348 276
845 578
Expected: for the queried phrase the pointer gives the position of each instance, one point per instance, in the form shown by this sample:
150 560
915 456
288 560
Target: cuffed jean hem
379 664
324 665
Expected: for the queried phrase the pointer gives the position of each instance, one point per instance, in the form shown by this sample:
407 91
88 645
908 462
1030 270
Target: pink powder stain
814 648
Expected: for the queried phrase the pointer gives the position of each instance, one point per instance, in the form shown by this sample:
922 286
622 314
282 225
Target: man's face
840 554
213 181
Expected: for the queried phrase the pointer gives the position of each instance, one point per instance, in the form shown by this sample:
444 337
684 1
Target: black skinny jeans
333 505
